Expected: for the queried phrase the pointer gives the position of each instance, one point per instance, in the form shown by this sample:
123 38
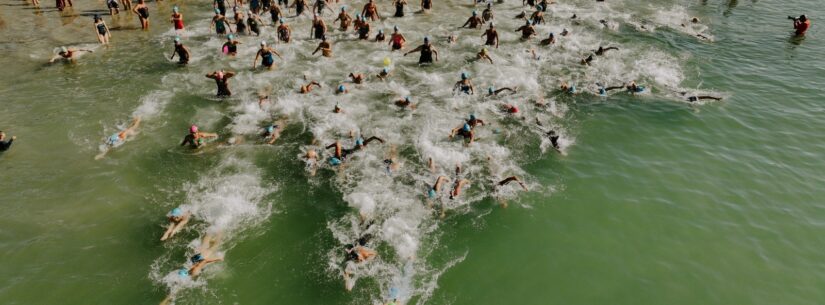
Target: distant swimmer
405 103
482 55
272 132
319 28
633 88
551 39
696 98
284 32
474 22
427 51
465 85
341 154
384 74
219 23
176 19
222 82
511 179
230 47
526 30
522 15
359 253
120 137
554 139
205 255
397 40
491 36
487 13
363 29
370 11
510 109
565 32
143 14
341 90
311 159
357 78
601 50
465 131
474 122
801 24
568 88
380 37
325 47
586 61
345 18
68 54
177 219
399 8
426 5
308 87
537 17
5 144
181 51
196 138
603 90
457 188
391 162
102 30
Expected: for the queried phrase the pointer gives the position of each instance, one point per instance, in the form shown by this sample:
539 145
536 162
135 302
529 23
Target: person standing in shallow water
345 19
427 51
143 14
397 40
102 30
492 36
222 81
181 51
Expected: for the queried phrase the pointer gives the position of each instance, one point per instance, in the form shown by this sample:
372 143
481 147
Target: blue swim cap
572 89
386 70
380 31
426 38
176 212
431 193
466 127
334 161
217 11
357 15
602 91
359 141
270 128
113 139
472 116
341 88
491 90
343 8
183 272
475 13
464 75
393 293
177 38
407 98
281 20
175 9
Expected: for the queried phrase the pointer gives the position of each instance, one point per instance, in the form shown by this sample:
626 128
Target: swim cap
475 13
113 139
386 70
407 98
464 75
97 16
472 116
334 161
466 127
344 8
602 91
359 141
175 9
341 88
193 129
230 36
176 212
270 128
491 25
183 272
263 43
513 109
282 20
572 89
64 49
217 12
491 90
431 193
196 258
426 38
484 50
395 28
177 38
357 16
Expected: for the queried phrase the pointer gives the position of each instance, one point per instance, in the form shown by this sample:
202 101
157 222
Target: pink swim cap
193 129
219 74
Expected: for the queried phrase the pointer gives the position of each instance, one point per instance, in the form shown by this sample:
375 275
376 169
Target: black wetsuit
399 9
266 4
320 4
221 4
319 30
240 27
300 6
231 48
101 29
426 54
144 12
5 145
364 31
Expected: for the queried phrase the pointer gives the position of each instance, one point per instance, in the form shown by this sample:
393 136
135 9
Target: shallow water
654 200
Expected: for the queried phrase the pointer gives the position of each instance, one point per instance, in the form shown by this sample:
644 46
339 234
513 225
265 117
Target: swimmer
219 6
427 51
633 88
219 23
197 139
345 19
263 100
265 53
457 187
511 179
230 47
601 50
466 131
177 219
341 154
522 15
586 61
603 90
392 160
143 14
473 121
68 54
491 36
204 257
564 32
254 22
357 78
300 6
319 28
397 40
359 253
551 39
363 29
284 32
526 30
568 88
102 30
114 8
405 103
222 82
432 193
337 109
484 55
537 17
696 98
491 91
474 21
384 74
465 85
380 36
510 109
370 11
800 25
240 24
6 144
308 87
311 159
273 132
426 5
176 19
325 47
341 90
554 139
275 13
487 14
181 51
399 7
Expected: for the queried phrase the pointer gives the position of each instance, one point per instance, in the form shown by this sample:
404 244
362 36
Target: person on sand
181 51
491 36
143 14
102 30
222 82
177 219
370 11
465 85
491 91
284 32
800 25
325 47
308 87
474 22
265 53
272 132
68 54
5 144
397 40
551 39
482 55
427 51
345 19
527 30
357 78
196 138
341 154
112 5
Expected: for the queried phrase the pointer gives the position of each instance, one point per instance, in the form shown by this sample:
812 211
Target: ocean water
651 199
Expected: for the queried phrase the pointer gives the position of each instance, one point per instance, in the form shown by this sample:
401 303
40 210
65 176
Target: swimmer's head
527 22
386 70
803 18
176 212
177 39
466 127
395 28
194 128
431 193
344 8
406 98
270 128
426 39
230 37
64 50
464 75
97 17
341 88
183 272
472 117
217 12
359 141
492 25
175 9
282 20
483 50
491 90
357 16
380 31
263 44
475 13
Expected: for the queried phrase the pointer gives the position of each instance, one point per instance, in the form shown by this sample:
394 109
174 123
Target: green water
656 202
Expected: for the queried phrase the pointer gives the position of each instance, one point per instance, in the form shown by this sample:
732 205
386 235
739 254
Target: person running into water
114 8
527 30
219 23
143 14
177 219
265 53
300 6
220 6
6 144
341 154
800 25
320 5
284 32
482 55
491 36
465 85
222 81
68 54
537 17
399 7
308 87
230 47
319 28
325 47
551 39
196 138
487 14
177 19
474 22
119 138
427 51
103 33
345 18
240 22
370 11
397 40
181 51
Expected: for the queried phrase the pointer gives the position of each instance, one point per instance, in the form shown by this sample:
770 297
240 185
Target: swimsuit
144 12
253 25
399 9
220 26
283 34
178 22
396 42
184 58
240 27
112 4
267 59
428 4
231 47
101 29
426 55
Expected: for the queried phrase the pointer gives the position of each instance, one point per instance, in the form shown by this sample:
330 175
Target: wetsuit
253 25
399 9
486 15
192 141
265 4
240 27
320 4
364 31
183 56
220 26
254 5
112 4
143 12
275 13
465 88
5 145
426 54
178 21
101 29
396 41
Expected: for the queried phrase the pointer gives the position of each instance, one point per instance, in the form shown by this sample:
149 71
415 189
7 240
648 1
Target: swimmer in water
345 19
564 32
230 47
510 109
554 139
363 29
511 179
114 7
550 40
319 6
325 47
4 144
176 19
357 78
265 53
527 30
426 5
696 98
457 187
491 36
568 88
272 132
68 54
204 256
341 90
341 154
537 17
300 6
427 51
487 14
474 22
284 32
800 25
603 90
222 82
177 219
119 138
397 40
197 139
370 11
275 13
586 61
465 85
466 131
308 87
181 51
254 21
474 122
432 193
601 50
384 74
405 103
491 91
102 30
319 28
392 160
311 159
143 14
633 88
482 55
219 23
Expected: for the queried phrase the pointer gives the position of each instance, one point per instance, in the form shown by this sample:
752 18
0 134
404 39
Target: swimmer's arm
466 23
173 54
54 58
316 49
185 141
229 74
255 62
413 50
208 135
436 54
